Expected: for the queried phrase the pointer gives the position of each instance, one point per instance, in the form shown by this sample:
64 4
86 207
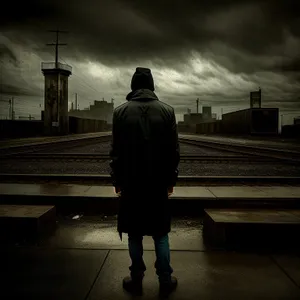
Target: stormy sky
216 50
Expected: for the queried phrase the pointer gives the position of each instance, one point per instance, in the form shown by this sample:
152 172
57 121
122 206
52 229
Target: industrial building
190 120
100 110
292 130
197 118
251 121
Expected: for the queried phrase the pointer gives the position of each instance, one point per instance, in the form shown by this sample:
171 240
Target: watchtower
56 119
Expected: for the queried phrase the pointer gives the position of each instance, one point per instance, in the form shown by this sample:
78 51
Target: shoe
133 286
165 288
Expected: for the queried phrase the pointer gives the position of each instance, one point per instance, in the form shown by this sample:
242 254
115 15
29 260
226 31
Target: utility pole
9 103
12 108
76 103
197 101
56 44
10 111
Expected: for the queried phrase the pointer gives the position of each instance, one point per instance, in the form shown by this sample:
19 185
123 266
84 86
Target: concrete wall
20 128
79 125
31 128
100 110
192 119
210 127
292 131
183 128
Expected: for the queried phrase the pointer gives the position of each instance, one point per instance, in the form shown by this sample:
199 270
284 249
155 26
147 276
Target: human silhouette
144 161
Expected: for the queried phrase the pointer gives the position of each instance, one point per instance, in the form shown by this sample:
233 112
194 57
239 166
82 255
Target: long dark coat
144 162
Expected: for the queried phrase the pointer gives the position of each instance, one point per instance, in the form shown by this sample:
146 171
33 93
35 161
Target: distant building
255 99
191 119
297 120
251 121
100 110
206 113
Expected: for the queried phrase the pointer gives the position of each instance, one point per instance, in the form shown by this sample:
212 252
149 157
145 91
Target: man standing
144 161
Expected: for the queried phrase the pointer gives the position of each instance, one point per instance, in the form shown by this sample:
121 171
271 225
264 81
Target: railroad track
101 157
34 149
252 151
239 153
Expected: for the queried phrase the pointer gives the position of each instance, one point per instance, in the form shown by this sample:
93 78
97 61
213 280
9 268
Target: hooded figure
144 161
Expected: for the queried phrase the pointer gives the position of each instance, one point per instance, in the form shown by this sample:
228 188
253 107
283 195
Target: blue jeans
162 263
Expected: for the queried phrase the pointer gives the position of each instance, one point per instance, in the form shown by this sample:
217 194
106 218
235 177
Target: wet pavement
85 259
180 192
100 233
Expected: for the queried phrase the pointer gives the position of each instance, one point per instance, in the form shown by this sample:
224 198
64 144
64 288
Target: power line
82 78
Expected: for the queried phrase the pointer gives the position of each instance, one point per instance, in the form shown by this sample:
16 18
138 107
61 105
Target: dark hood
142 79
141 94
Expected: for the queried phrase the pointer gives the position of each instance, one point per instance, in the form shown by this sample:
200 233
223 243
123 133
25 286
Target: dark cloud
12 90
6 54
292 66
122 31
241 44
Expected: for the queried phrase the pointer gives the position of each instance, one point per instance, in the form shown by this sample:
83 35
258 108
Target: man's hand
170 191
118 190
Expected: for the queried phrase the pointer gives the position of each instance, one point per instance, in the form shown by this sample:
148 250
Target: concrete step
185 200
29 221
251 226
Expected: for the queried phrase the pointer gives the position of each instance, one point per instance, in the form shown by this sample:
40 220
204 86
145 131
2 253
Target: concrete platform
26 220
99 232
223 226
185 200
49 139
49 274
200 276
105 179
83 260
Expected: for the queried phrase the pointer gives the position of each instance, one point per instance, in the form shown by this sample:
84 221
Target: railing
51 65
